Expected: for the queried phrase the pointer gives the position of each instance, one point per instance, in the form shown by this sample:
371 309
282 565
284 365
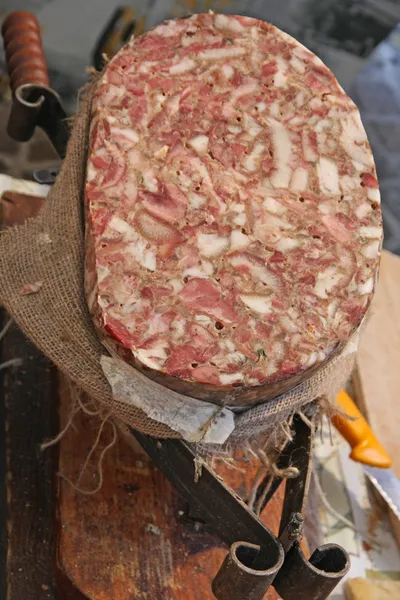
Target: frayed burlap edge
49 250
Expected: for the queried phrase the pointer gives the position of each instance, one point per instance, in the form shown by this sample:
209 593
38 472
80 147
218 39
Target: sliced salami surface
233 219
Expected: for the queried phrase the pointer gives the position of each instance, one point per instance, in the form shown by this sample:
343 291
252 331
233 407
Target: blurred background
357 39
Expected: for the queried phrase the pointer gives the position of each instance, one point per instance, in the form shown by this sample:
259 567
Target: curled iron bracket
257 559
316 578
255 553
300 578
38 106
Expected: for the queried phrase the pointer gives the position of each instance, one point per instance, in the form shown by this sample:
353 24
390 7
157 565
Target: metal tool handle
23 50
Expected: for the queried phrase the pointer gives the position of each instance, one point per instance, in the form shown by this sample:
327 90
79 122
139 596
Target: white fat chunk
240 219
367 287
288 325
286 244
300 98
313 359
122 226
176 285
102 273
348 183
257 302
162 152
239 240
234 129
322 124
328 175
144 256
362 210
122 134
236 207
274 109
211 244
195 272
371 232
101 301
261 106
196 201
243 90
153 358
91 172
220 53
178 328
359 166
281 75
250 162
203 319
283 152
170 28
149 181
184 66
297 64
299 180
228 23
226 345
251 126
326 281
372 250
325 208
228 378
297 121
207 267
199 143
227 71
353 139
273 206
374 195
173 104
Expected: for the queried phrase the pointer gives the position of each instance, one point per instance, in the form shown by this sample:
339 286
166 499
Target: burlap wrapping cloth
49 251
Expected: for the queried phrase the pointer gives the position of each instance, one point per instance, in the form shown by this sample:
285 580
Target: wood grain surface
28 417
133 538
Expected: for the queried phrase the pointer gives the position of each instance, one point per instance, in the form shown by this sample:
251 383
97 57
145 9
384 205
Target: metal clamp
38 106
256 554
257 558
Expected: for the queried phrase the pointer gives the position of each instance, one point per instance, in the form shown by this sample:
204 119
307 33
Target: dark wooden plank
3 493
30 417
133 539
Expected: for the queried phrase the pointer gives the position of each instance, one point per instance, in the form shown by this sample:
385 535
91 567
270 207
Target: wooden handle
23 49
365 448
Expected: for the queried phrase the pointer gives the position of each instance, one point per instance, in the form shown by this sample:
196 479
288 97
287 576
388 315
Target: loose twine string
267 468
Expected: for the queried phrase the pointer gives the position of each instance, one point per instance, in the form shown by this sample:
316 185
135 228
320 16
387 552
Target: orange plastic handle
365 448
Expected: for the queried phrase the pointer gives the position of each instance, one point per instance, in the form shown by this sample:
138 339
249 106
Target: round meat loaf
233 226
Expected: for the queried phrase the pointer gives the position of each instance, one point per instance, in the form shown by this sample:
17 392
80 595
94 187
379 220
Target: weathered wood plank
28 416
133 539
